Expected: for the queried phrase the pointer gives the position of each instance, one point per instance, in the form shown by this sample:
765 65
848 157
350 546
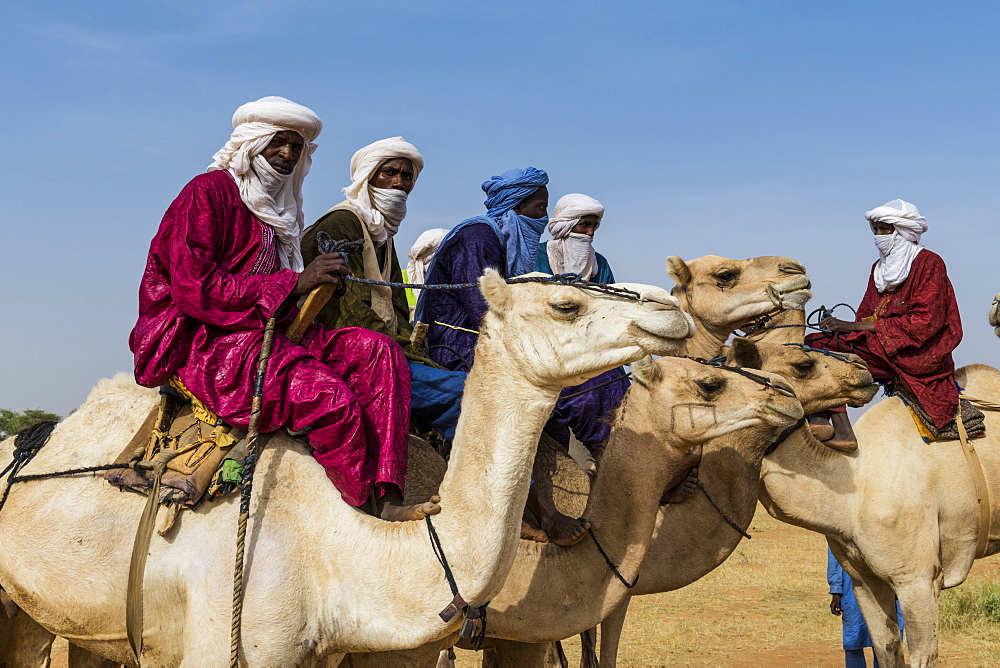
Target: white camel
901 515
322 577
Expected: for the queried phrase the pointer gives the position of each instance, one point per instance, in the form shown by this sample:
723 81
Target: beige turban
276 199
422 253
568 251
380 209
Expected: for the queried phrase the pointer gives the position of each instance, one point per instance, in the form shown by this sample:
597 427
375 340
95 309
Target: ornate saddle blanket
209 458
972 417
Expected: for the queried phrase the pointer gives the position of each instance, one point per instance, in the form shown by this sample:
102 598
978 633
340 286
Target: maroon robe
916 327
212 280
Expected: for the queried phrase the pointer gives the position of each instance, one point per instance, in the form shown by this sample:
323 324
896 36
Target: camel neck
692 538
486 485
632 475
783 327
804 482
707 341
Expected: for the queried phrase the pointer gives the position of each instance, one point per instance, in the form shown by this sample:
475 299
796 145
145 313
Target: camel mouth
784 418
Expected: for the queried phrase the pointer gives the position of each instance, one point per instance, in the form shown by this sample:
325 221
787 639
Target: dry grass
768 605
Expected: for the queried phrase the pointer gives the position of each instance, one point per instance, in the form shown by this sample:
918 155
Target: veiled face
588 225
535 205
882 229
395 174
284 151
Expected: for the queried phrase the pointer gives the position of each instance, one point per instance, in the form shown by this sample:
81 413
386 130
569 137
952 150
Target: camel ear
744 353
495 289
678 270
646 371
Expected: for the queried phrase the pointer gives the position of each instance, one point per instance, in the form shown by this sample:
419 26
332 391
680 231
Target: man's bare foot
529 532
391 508
564 530
683 486
559 529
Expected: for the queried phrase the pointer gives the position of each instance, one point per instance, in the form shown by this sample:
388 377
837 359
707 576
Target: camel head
686 403
821 381
995 315
562 335
724 295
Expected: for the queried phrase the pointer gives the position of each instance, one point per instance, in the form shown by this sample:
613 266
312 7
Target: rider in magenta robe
217 271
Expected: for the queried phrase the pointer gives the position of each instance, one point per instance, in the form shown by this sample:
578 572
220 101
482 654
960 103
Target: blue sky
727 128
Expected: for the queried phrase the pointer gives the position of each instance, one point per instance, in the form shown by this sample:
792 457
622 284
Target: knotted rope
246 488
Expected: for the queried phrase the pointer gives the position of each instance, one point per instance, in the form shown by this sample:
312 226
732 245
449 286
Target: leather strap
982 491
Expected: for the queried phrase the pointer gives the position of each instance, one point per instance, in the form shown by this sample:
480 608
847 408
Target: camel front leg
919 601
23 642
877 601
611 634
82 658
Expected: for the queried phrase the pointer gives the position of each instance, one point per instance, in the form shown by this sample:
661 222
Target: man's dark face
535 205
284 151
395 174
882 229
588 225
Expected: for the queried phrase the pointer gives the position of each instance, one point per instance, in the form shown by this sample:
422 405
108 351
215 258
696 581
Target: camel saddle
207 453
974 419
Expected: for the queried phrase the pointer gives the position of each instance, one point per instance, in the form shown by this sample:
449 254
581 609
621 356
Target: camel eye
710 386
804 368
727 276
565 308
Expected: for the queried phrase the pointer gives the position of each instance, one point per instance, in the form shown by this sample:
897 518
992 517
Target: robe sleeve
198 286
471 252
871 299
927 315
834 573
354 308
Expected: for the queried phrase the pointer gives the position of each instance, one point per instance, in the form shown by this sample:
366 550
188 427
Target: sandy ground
766 606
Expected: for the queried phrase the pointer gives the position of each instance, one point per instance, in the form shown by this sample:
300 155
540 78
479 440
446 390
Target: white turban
422 253
901 215
568 251
380 209
897 250
276 199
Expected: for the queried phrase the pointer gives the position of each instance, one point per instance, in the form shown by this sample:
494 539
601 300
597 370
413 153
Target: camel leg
919 601
81 658
23 642
611 634
513 653
588 649
877 601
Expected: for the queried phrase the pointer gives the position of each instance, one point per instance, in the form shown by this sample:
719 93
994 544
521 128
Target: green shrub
975 602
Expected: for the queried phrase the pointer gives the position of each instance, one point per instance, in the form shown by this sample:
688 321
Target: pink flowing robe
211 282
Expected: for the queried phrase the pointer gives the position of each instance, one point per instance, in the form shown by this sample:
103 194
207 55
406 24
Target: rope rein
740 530
246 488
611 564
474 626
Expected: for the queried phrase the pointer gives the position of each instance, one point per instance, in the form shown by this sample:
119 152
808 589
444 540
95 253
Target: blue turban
506 191
518 234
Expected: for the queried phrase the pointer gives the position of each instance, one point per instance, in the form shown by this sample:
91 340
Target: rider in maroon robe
218 270
908 322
